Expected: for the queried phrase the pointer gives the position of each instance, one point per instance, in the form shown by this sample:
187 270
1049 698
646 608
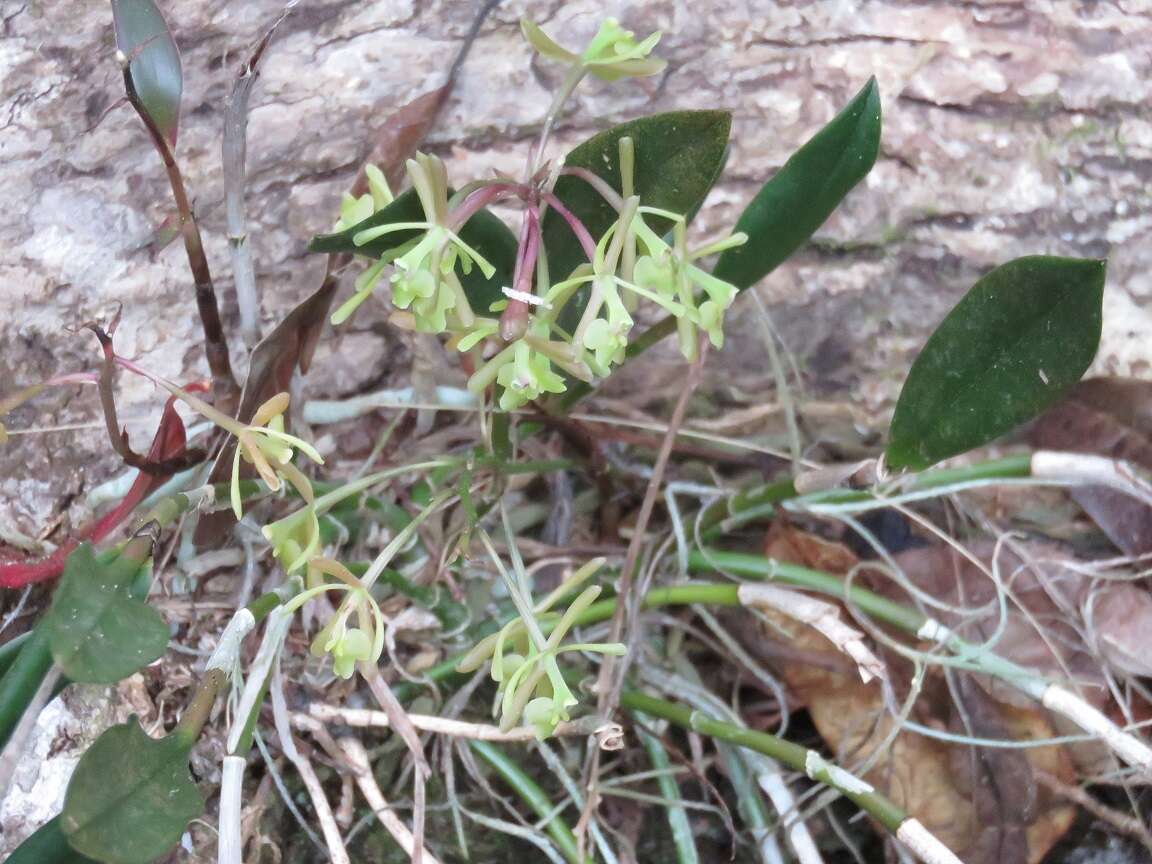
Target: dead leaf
400 136
1109 417
981 802
289 346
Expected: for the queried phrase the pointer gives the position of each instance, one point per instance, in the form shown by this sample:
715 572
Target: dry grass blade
358 758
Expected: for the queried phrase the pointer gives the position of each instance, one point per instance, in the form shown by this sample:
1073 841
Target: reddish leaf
400 136
168 443
1108 417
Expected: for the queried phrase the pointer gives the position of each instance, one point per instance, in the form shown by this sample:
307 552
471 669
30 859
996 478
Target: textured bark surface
1009 128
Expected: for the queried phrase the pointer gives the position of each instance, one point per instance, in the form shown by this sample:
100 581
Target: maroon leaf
401 135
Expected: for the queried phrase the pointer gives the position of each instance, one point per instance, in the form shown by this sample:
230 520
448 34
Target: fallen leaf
1109 417
981 802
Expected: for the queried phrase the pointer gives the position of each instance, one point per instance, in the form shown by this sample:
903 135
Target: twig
234 152
399 721
362 772
624 619
365 718
328 826
1120 821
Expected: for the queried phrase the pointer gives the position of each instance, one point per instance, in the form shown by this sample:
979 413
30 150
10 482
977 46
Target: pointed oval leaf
484 232
142 35
802 195
47 846
1021 337
130 797
678 157
97 632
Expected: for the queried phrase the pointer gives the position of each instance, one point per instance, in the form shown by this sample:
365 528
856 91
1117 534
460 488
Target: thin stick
398 718
365 718
370 789
624 618
328 826
234 154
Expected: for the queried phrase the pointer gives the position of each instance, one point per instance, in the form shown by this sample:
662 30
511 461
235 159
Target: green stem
794 756
24 676
533 796
199 708
678 822
748 504
761 568
10 650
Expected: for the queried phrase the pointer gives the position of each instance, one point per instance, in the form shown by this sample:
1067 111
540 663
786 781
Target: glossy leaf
142 35
678 157
47 846
1020 338
98 633
802 195
130 797
484 232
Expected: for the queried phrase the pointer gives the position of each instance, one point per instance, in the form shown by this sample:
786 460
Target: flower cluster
531 686
424 279
530 351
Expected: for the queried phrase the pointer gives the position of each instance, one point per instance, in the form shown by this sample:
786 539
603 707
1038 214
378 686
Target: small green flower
531 686
363 643
612 54
265 445
348 646
424 280
295 539
607 337
526 377
355 210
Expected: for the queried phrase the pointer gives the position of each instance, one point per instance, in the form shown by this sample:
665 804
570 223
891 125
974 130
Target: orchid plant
535 318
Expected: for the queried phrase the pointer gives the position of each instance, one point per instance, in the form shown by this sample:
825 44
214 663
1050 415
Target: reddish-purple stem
582 233
477 201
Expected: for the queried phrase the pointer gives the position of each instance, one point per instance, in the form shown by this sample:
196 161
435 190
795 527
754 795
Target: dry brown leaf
400 136
1108 417
982 803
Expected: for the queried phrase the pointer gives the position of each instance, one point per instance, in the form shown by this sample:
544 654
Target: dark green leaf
47 846
98 632
803 194
142 35
484 232
678 157
130 796
1020 338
